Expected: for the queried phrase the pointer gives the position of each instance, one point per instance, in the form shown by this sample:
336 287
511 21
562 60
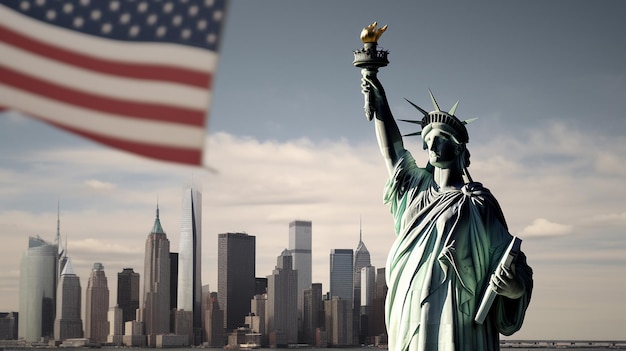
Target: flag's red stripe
131 70
153 112
162 152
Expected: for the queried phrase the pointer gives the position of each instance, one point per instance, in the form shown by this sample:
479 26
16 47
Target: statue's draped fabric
447 246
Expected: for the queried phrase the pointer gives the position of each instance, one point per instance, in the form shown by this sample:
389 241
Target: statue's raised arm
387 131
369 59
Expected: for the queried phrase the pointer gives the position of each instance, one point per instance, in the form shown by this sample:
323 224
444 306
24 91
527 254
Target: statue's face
442 150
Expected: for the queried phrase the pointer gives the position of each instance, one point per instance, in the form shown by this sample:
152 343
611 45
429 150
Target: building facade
282 296
368 292
128 294
213 320
338 313
38 277
341 274
361 259
300 244
155 311
189 260
97 305
235 276
377 322
68 323
115 316
8 325
313 313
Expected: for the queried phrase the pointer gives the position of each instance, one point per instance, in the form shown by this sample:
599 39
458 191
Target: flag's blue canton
189 22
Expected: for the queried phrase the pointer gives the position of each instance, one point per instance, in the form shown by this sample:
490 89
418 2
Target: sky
288 140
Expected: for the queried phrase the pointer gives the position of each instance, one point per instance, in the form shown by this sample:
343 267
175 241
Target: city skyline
288 140
158 229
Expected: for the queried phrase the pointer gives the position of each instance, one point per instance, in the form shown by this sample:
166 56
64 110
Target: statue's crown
443 117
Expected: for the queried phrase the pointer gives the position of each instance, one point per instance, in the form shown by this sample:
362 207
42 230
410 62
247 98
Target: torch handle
368 96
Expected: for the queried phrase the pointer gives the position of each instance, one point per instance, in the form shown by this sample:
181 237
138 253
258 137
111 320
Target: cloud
543 227
99 185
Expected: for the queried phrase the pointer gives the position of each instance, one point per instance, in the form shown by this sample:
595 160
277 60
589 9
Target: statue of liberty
450 232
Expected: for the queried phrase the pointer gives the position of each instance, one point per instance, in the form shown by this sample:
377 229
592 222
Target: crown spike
413 134
417 107
468 121
453 109
411 121
432 98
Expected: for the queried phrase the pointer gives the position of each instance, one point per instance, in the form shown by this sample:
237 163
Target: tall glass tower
300 237
189 259
38 277
341 274
235 276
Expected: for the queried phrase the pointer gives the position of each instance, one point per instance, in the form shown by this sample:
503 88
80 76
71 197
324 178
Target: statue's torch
369 59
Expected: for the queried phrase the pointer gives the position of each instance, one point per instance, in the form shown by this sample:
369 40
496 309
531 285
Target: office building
128 294
341 274
38 277
368 291
173 289
258 309
173 281
116 325
213 319
68 323
155 311
300 243
235 276
377 322
189 260
8 325
313 313
282 297
97 305
361 259
338 313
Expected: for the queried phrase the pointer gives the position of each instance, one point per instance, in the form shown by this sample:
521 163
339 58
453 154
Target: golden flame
370 34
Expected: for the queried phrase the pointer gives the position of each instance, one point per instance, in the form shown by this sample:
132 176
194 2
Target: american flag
134 75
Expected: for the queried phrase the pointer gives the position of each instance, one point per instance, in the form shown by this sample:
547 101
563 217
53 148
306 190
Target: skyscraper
282 291
361 259
68 323
38 276
155 312
213 319
189 259
97 305
300 237
312 313
377 320
338 313
368 291
128 294
235 276
341 274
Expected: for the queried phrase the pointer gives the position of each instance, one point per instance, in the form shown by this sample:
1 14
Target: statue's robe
447 246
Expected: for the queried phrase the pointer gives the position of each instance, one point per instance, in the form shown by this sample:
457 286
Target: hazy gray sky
289 138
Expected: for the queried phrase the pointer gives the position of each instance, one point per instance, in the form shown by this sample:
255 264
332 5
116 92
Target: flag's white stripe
110 125
167 93
124 51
